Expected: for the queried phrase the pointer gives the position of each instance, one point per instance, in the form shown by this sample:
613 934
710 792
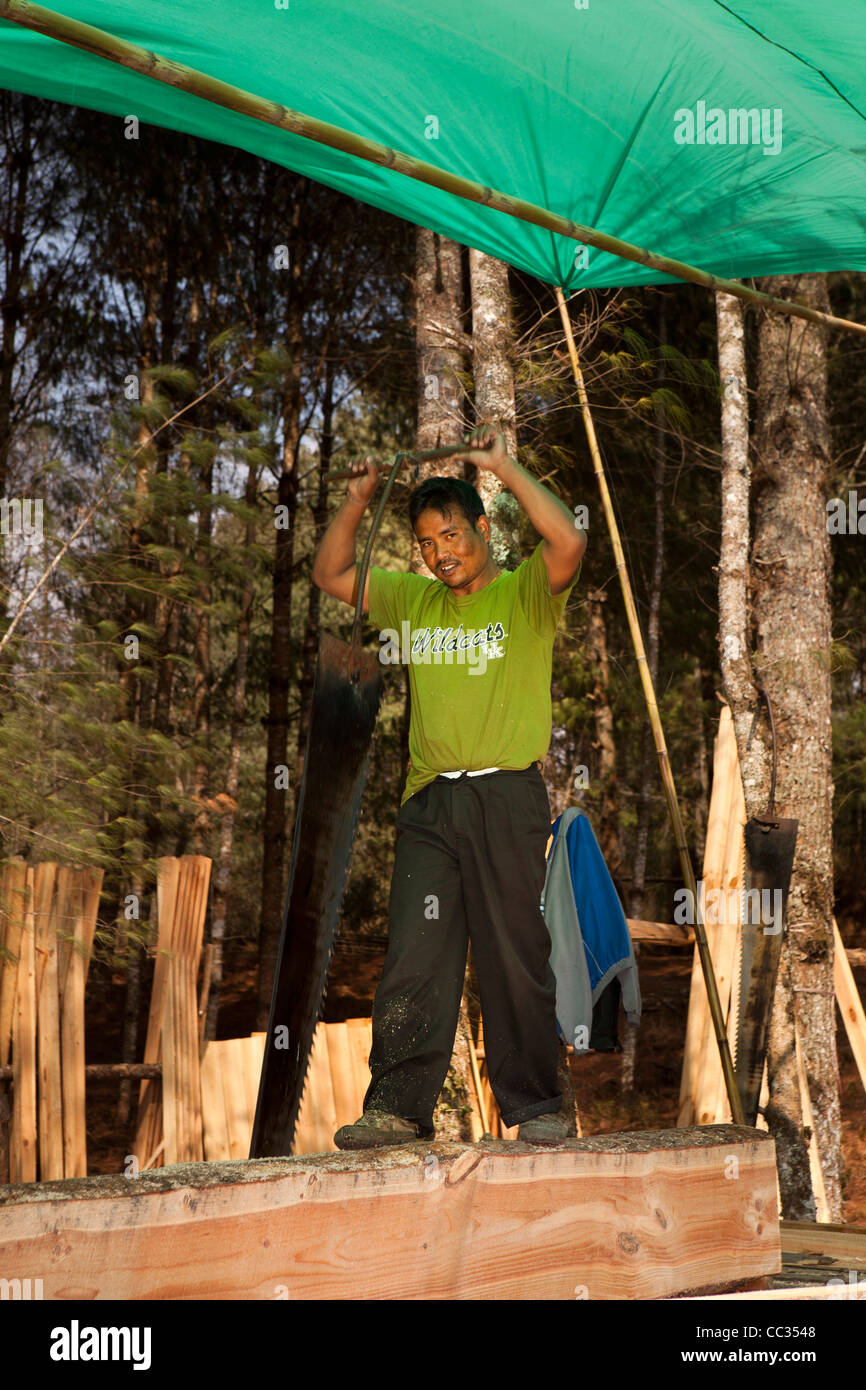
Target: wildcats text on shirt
447 646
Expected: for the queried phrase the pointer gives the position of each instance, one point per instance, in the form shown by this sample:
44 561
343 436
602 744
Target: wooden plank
238 1120
224 1137
346 1110
83 907
23 1153
253 1057
314 1132
811 1292
64 889
174 1073
668 932
149 1124
494 1118
611 1217
91 889
48 1027
181 1083
712 1096
195 1139
71 910
178 1094
477 1115
326 1111
839 1242
181 1076
215 1128
359 1034
12 888
171 1079
699 1024
849 1002
204 992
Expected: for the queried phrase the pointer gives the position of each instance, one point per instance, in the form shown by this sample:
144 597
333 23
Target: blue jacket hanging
591 946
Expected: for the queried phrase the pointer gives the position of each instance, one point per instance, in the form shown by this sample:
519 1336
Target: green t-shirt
479 666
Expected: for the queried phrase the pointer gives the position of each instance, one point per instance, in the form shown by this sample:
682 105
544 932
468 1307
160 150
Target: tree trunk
202 658
648 758
227 826
14 278
441 345
493 374
702 800
735 626
736 637
275 837
790 582
774 624
608 826
139 608
310 645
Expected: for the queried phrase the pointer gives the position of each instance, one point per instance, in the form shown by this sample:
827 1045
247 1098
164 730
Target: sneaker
551 1128
375 1129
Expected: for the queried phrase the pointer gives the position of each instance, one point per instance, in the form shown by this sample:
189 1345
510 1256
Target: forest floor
665 977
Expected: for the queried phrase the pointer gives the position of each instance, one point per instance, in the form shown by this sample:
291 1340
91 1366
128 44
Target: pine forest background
189 337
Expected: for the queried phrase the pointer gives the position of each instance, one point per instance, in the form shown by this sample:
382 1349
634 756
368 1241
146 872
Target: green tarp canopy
731 136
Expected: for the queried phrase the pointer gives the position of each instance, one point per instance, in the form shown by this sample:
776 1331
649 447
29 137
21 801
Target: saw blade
769 862
342 719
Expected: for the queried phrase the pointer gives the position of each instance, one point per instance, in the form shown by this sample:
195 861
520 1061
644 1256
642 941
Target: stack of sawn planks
170 1125
47 924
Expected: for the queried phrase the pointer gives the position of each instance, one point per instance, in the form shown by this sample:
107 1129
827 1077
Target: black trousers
469 866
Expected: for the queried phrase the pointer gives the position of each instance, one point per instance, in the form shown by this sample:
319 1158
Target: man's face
451 547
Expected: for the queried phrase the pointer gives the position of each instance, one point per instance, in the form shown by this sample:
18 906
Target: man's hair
442 494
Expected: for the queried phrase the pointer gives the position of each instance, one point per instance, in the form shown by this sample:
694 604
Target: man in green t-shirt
475 818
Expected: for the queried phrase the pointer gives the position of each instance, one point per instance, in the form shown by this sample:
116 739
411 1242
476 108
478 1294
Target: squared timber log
633 1215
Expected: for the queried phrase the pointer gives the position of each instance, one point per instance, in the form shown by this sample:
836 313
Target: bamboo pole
200 84
657 730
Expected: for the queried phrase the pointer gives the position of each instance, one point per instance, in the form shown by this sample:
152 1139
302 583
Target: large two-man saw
346 696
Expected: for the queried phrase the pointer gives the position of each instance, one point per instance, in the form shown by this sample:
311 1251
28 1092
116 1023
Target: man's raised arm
334 567
563 542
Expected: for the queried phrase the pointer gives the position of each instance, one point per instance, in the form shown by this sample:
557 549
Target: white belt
480 773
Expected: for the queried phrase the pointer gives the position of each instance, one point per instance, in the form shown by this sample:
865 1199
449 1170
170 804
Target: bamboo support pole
200 84
657 730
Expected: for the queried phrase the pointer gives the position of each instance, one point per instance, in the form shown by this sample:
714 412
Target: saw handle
353 663
336 475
